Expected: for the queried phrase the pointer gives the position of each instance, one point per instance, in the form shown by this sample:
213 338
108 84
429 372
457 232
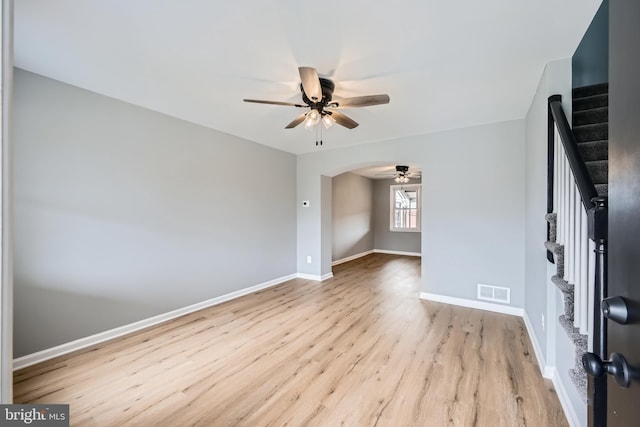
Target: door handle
619 310
616 366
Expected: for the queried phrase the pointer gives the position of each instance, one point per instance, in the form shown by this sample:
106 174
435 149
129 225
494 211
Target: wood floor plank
360 349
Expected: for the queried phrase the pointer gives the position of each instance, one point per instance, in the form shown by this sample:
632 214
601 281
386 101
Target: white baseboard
374 251
315 277
351 258
565 402
480 305
326 276
546 370
50 353
384 251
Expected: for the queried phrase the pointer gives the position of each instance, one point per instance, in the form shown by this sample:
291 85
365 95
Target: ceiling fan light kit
317 95
311 119
328 121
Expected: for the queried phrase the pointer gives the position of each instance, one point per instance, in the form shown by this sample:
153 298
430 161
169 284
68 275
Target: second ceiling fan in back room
401 175
317 95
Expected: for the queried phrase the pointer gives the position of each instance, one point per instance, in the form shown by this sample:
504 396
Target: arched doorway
376 209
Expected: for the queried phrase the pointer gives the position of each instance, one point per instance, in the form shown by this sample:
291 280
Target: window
405 207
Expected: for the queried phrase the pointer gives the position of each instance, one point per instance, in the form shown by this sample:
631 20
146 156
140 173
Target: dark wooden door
623 404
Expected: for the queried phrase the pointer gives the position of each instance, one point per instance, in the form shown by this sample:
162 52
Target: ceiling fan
401 175
317 95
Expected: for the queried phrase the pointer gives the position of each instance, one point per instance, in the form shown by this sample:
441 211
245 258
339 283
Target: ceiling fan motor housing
402 170
327 93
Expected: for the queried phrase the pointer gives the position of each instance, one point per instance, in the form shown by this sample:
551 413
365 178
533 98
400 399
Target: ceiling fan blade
310 83
343 120
260 101
296 121
360 101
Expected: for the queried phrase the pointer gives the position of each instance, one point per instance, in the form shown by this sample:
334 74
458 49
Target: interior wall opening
375 208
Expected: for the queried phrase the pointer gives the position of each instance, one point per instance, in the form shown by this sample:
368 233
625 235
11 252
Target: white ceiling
445 64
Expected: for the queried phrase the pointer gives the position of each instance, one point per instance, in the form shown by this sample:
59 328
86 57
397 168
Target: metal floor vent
494 293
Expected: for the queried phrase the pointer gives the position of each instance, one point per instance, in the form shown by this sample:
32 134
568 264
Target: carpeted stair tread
598 170
567 290
574 333
602 189
563 285
553 225
594 150
577 374
558 251
592 132
579 378
554 247
591 116
589 102
599 89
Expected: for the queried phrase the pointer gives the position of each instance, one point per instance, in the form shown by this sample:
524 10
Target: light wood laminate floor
360 349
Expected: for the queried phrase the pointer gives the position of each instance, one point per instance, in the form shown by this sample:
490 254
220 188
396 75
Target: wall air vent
494 293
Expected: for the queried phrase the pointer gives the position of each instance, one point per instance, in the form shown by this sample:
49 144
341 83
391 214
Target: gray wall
542 297
352 215
473 199
554 80
590 62
122 213
385 239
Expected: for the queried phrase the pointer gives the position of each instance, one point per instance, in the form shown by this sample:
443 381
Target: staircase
577 374
590 128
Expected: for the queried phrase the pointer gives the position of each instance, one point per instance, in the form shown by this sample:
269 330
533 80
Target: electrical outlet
308 259
542 321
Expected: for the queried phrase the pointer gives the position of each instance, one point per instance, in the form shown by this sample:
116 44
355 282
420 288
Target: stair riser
594 150
598 101
597 132
599 171
589 117
602 189
598 89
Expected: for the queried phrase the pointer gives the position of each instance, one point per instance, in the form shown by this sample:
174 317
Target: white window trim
392 196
